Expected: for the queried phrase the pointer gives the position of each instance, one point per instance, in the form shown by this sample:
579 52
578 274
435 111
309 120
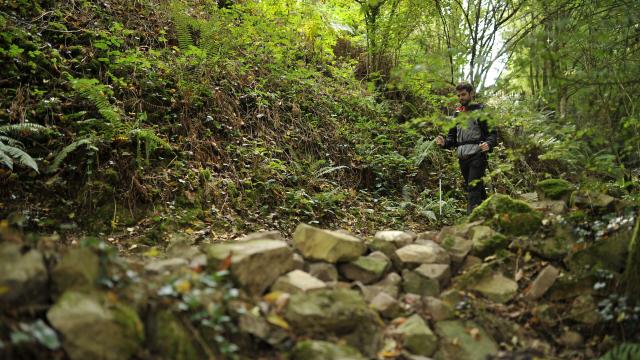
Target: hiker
473 142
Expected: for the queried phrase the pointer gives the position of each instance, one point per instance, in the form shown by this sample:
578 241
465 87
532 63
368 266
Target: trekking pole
440 188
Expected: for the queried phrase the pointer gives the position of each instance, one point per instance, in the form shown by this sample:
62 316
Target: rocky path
516 279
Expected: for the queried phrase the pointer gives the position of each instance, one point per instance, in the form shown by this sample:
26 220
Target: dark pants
473 170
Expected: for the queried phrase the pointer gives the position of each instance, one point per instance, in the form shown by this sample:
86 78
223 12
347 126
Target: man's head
465 93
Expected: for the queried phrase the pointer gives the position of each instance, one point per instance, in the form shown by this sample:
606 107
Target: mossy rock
321 350
95 328
170 339
507 215
592 201
609 253
554 189
486 241
340 312
78 269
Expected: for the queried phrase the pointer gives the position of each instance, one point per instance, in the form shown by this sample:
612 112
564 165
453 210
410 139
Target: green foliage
36 332
555 189
626 351
90 143
10 147
97 93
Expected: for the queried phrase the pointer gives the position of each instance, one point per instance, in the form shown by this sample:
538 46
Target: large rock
437 309
438 272
457 246
78 269
168 338
93 329
593 200
338 312
390 285
414 255
416 336
398 238
554 189
258 326
386 305
463 340
255 264
323 271
542 283
23 276
262 235
165 265
324 350
508 215
297 281
609 253
366 269
585 310
550 206
486 241
461 230
496 287
417 283
326 245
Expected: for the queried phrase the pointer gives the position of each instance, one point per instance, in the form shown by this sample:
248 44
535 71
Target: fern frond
152 141
17 129
327 170
625 351
425 149
95 92
22 157
6 159
88 142
10 141
183 24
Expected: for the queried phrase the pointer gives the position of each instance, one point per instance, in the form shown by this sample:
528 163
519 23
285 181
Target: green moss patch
554 189
507 215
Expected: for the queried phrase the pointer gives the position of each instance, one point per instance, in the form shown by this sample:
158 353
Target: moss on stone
499 204
79 268
320 350
169 338
130 322
489 245
507 215
554 189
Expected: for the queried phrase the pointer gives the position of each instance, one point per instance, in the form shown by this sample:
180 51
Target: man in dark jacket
473 142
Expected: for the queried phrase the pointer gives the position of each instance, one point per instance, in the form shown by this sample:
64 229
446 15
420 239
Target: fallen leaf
183 286
278 321
272 297
475 333
226 263
153 252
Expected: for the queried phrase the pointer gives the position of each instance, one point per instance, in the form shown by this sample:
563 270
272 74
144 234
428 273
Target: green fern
425 149
89 142
19 129
626 351
327 170
10 151
8 154
151 142
96 93
183 24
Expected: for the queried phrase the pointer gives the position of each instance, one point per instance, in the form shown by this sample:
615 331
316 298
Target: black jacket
488 136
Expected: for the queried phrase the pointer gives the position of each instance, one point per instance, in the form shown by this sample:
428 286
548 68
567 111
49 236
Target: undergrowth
203 115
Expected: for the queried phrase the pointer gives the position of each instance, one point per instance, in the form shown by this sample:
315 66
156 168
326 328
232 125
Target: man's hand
440 140
484 147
